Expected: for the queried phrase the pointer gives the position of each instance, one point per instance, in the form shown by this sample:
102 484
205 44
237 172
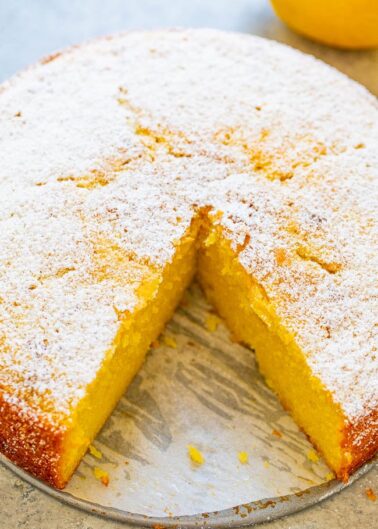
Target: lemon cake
131 163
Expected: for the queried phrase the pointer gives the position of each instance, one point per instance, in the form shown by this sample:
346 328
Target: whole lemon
341 23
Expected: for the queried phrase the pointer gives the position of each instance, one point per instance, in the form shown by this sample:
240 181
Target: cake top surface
109 149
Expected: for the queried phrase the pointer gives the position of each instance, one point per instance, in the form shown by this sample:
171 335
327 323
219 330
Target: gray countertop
30 29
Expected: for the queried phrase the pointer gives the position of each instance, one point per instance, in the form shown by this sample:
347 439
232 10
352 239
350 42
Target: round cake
134 162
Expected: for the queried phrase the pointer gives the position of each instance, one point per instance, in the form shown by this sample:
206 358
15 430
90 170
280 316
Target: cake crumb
195 455
101 475
312 456
243 457
95 452
212 322
277 433
170 341
371 495
155 344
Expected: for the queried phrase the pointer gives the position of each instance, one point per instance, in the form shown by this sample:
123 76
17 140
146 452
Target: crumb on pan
169 341
212 321
243 457
371 495
95 452
276 433
101 475
312 456
195 455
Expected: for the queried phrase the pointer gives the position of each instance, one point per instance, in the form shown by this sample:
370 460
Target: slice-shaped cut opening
252 319
250 316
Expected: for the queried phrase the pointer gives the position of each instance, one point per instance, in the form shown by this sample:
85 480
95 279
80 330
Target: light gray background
32 28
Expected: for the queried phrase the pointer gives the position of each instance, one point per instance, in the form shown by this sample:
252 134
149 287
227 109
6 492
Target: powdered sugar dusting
109 151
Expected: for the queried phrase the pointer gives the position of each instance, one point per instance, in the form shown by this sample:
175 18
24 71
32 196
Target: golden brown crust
34 445
31 442
361 441
29 439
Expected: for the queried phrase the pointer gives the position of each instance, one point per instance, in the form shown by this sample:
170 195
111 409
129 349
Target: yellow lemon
340 23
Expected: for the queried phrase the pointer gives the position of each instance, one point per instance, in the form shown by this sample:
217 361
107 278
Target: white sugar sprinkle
108 151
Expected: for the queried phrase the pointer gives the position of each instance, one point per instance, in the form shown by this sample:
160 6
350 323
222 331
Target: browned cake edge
31 442
361 440
36 445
